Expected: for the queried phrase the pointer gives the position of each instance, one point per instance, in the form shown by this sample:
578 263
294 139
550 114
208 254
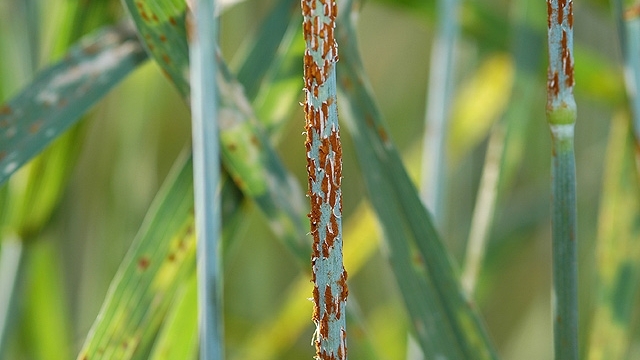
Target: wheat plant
153 179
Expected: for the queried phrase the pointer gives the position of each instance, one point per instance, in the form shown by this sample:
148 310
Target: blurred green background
128 142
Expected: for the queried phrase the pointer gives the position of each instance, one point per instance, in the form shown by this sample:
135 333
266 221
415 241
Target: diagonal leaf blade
444 321
162 254
62 93
247 155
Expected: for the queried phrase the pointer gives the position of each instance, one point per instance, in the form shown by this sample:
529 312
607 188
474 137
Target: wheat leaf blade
247 155
618 259
162 254
434 296
59 95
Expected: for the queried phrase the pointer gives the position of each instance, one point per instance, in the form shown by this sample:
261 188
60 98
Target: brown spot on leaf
143 263
632 12
35 127
5 110
91 49
383 134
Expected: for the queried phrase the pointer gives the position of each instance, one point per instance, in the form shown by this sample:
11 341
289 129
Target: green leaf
618 249
247 155
178 336
62 93
444 322
161 257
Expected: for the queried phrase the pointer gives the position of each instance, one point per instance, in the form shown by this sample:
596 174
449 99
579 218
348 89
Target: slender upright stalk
324 165
483 211
437 109
206 174
561 115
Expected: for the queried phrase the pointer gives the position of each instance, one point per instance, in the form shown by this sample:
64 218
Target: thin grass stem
438 108
483 211
561 115
206 173
324 166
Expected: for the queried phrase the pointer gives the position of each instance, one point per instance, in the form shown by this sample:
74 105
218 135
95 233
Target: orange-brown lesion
632 12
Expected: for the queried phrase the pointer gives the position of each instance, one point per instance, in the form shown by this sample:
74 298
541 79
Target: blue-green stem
206 174
565 262
561 115
324 166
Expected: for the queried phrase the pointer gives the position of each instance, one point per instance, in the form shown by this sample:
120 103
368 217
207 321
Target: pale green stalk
484 210
436 132
206 176
324 166
438 108
505 148
561 115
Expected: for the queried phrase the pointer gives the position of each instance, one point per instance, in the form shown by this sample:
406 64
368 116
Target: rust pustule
632 12
561 6
35 127
91 49
344 290
567 61
328 300
143 263
570 14
383 134
5 110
